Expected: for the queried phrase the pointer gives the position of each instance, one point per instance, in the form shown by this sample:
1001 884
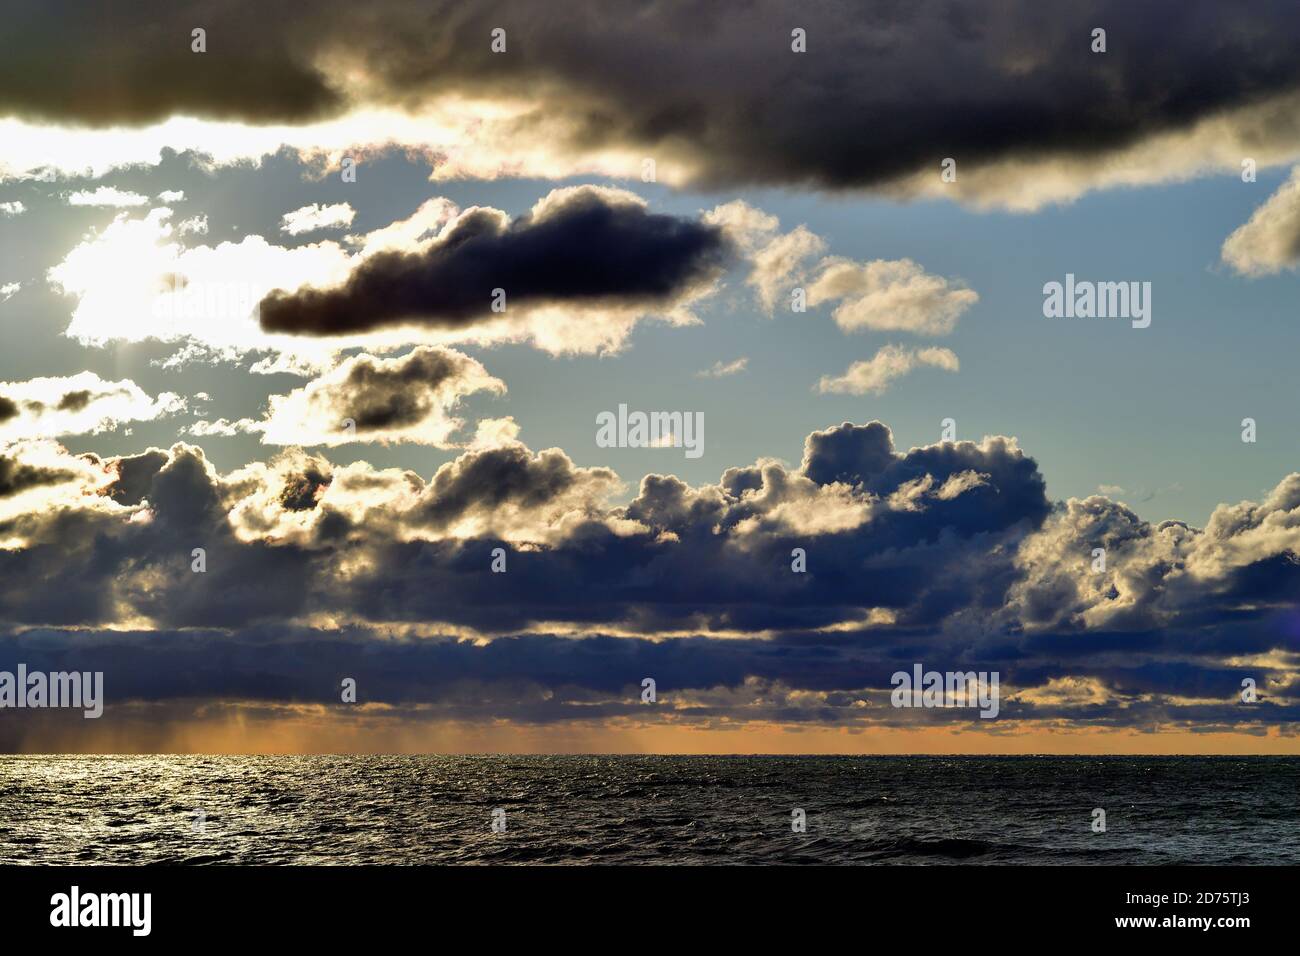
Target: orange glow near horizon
237 732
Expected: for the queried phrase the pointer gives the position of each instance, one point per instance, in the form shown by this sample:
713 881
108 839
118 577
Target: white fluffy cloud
77 405
194 226
313 217
778 260
893 296
109 196
891 363
880 295
368 399
1270 240
40 476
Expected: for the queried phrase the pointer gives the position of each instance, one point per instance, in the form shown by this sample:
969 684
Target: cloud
361 543
253 74
369 399
948 553
1060 588
615 264
726 103
777 260
80 404
107 196
16 477
720 369
1270 241
134 282
194 226
897 296
891 363
512 492
313 217
582 247
10 209
880 295
39 477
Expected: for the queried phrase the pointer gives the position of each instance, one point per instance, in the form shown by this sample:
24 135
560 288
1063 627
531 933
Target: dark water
431 809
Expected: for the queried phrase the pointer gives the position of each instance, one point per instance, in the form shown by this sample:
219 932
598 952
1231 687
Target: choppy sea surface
647 809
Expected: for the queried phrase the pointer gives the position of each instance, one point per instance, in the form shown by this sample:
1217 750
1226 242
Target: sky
340 299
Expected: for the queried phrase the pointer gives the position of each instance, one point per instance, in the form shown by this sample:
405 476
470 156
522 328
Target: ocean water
647 809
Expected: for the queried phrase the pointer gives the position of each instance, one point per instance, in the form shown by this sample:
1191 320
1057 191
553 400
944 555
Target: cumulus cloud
1270 241
874 375
347 528
314 217
946 553
909 536
194 226
512 492
778 260
369 399
891 296
79 404
39 477
1064 584
582 247
10 209
17 476
880 295
580 271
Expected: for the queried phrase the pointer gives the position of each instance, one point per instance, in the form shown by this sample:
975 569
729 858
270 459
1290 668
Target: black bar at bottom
647 906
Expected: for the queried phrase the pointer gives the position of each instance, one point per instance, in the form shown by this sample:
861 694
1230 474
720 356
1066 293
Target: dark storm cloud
587 247
104 65
543 678
717 84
